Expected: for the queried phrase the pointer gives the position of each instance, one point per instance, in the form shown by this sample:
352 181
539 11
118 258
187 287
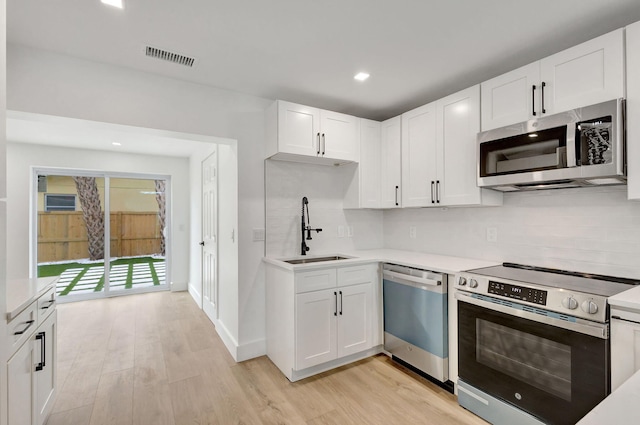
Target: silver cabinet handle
324 144
438 191
318 144
432 199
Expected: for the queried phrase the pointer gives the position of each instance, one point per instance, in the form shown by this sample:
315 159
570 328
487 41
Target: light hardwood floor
156 359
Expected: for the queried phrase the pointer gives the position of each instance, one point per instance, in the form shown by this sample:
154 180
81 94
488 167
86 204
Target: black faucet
303 246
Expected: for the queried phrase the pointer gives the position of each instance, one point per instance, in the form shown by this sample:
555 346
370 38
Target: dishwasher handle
414 279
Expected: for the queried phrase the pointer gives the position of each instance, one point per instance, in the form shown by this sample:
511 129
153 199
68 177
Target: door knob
202 243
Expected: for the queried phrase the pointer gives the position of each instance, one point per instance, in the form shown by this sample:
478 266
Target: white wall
24 156
3 219
324 186
53 84
592 230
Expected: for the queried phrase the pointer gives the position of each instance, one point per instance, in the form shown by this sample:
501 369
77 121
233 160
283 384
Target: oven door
553 373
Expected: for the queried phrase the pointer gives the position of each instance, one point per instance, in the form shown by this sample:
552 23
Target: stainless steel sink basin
315 260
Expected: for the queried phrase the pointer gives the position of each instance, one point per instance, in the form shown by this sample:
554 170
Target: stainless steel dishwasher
415 319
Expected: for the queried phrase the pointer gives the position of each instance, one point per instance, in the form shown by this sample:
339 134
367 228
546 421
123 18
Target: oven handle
598 330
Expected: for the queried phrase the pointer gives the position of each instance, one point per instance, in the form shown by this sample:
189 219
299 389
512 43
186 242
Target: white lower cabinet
321 319
31 368
625 345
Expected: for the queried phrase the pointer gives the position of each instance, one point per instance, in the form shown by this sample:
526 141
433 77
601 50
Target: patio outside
71 233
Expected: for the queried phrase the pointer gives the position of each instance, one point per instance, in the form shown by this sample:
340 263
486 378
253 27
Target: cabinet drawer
356 274
46 305
21 328
315 280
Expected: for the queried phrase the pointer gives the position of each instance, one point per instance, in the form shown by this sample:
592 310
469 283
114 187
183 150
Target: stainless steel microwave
581 147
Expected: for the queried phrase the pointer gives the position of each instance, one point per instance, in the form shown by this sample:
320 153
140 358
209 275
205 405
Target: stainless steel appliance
533 343
581 147
415 319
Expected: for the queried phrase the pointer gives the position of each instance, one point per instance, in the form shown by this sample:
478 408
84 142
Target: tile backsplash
593 230
287 183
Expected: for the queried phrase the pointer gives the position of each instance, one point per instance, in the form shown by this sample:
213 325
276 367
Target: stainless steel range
533 343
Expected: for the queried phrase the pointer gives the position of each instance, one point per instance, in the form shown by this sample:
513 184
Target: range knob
588 306
462 281
570 303
473 283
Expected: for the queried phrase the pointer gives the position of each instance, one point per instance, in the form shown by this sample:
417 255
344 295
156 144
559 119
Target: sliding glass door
77 212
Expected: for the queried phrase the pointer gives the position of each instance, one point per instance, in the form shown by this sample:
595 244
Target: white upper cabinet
633 111
419 170
305 134
589 73
439 153
510 98
339 136
391 160
369 164
458 123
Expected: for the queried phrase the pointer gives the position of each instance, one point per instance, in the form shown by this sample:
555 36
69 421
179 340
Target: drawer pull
49 304
28 323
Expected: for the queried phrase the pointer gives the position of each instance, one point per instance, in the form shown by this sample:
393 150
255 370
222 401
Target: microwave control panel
522 293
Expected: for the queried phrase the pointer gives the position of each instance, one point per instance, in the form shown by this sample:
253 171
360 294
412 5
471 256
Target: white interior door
209 235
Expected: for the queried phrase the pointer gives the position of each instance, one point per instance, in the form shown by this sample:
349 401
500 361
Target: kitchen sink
315 259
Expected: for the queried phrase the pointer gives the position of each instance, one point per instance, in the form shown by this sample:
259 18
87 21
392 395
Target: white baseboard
195 294
228 340
252 350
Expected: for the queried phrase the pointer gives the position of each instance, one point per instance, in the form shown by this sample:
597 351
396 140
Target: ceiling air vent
169 56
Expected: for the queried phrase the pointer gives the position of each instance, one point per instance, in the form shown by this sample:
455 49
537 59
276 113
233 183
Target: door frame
107 175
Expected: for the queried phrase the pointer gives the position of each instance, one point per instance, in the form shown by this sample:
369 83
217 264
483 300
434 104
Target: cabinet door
419 156
354 319
391 159
369 164
458 123
46 377
586 74
633 111
21 385
509 98
339 136
316 316
625 351
298 129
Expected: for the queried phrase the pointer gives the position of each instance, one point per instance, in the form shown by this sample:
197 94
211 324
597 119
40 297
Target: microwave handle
572 148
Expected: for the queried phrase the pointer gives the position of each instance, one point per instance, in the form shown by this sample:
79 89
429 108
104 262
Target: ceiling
307 51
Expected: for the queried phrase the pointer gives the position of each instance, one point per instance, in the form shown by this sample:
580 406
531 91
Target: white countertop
22 292
620 407
628 299
420 260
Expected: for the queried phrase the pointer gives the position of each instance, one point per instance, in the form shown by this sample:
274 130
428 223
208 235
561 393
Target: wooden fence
63 235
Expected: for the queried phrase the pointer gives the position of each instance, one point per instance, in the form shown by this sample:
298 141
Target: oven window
542 363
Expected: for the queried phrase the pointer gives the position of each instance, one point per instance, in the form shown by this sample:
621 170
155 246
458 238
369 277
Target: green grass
57 269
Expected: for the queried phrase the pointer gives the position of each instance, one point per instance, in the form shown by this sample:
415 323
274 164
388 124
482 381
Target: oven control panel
522 293
562 301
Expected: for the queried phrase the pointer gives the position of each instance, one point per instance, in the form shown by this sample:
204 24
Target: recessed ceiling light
116 143
115 3
361 76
